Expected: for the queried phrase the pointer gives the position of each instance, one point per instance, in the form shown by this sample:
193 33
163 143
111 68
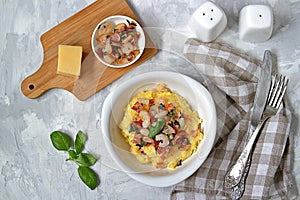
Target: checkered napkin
231 78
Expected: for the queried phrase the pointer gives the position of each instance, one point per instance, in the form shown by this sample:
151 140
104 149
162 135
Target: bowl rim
142 37
157 181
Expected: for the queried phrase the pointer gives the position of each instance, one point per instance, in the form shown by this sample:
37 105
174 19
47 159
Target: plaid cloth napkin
231 78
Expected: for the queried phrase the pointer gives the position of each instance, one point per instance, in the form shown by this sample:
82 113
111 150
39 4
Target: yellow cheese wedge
69 60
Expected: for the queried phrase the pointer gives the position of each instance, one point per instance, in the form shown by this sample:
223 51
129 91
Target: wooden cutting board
77 30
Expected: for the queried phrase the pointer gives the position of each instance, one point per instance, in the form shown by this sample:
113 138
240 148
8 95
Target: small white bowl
116 19
113 111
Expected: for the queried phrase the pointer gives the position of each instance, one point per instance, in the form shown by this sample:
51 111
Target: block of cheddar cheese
69 60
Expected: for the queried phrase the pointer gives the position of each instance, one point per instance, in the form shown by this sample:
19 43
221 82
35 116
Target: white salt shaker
255 23
208 22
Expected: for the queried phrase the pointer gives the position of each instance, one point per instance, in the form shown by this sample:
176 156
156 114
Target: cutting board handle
42 80
31 86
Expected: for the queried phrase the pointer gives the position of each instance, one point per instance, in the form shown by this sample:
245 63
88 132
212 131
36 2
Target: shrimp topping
146 118
163 140
117 44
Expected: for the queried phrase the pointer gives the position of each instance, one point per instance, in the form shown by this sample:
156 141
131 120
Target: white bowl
113 111
115 19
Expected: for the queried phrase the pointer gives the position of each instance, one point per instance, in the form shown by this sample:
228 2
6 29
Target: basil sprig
79 141
63 142
154 130
88 176
60 141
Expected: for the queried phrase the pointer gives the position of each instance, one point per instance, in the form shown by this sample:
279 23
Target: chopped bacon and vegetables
117 44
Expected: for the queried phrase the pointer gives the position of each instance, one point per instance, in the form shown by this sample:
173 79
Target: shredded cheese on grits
161 128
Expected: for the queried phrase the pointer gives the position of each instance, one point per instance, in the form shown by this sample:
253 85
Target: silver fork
276 93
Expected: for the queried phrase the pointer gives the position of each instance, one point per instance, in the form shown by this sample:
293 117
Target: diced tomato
138 122
137 107
151 102
156 143
170 106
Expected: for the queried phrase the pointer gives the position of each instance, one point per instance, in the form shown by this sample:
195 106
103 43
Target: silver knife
262 90
259 104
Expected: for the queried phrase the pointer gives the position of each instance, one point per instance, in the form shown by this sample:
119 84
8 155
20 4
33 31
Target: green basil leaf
79 141
88 176
60 141
72 154
154 130
86 159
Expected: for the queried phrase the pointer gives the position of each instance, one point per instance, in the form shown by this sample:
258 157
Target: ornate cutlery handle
234 175
238 190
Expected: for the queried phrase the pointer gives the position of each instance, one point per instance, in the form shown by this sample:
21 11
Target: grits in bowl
161 128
